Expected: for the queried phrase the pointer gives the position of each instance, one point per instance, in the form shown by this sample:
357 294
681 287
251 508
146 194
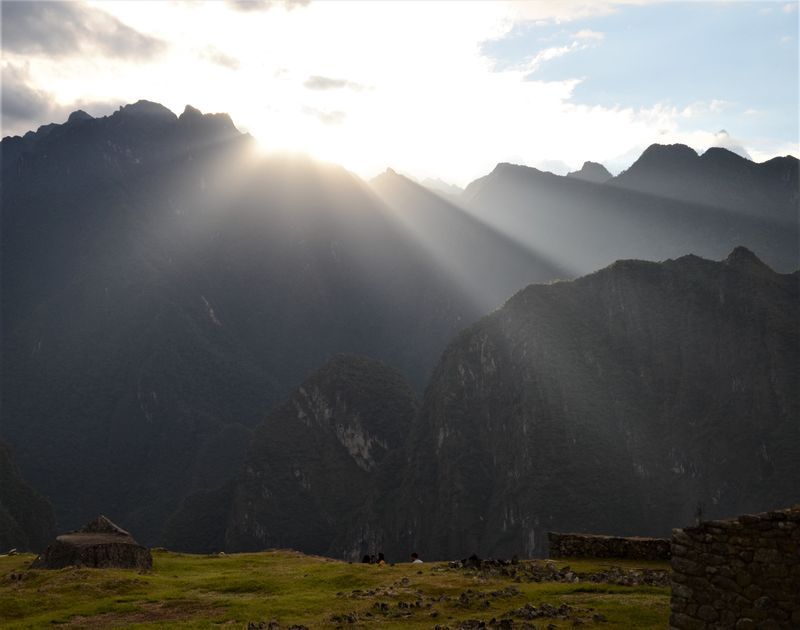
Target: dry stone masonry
99 544
742 573
592 546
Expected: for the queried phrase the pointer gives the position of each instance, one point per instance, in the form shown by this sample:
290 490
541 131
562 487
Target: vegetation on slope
192 591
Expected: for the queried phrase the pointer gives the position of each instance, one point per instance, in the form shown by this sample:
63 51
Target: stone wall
742 573
591 546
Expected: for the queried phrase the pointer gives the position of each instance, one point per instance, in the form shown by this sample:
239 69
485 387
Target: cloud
215 55
266 5
723 139
582 40
318 82
562 10
588 34
326 117
25 107
20 101
59 29
703 108
552 53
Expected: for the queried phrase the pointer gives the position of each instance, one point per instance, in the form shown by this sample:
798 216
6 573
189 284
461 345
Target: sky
432 89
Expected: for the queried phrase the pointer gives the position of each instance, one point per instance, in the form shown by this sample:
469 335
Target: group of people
381 560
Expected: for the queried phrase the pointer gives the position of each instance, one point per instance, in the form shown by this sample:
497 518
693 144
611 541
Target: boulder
99 544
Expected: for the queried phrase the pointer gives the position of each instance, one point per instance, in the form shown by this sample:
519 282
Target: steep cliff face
311 466
26 517
617 403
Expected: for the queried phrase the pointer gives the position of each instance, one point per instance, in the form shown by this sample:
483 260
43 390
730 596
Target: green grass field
194 591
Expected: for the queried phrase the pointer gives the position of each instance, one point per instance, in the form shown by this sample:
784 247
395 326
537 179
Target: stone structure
100 544
740 573
592 546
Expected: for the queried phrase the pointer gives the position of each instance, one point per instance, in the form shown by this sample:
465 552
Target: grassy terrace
193 591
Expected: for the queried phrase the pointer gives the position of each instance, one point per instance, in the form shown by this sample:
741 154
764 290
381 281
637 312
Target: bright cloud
588 34
366 85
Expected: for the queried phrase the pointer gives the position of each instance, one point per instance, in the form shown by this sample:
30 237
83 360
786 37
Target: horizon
549 85
429 181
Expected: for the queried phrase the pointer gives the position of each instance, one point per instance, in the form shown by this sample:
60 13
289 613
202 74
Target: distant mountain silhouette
165 288
483 262
718 178
592 172
584 225
439 186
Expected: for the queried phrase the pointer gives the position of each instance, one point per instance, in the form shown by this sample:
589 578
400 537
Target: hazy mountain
439 186
165 287
615 403
311 466
483 262
592 172
584 226
26 518
718 178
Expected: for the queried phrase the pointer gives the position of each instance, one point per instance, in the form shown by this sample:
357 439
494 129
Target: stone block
707 613
720 548
788 547
743 579
776 570
753 592
727 618
680 537
764 603
684 565
712 559
679 590
725 584
685 622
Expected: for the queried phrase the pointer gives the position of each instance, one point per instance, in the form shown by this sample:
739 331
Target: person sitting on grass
381 560
415 558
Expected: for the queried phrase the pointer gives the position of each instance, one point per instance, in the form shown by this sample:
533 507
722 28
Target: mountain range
621 403
176 305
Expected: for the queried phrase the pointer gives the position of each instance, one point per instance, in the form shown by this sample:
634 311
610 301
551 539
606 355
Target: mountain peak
146 109
592 172
217 124
670 152
79 115
745 260
721 155
190 113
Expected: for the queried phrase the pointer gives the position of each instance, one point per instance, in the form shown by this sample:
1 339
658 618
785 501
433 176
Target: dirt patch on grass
148 612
